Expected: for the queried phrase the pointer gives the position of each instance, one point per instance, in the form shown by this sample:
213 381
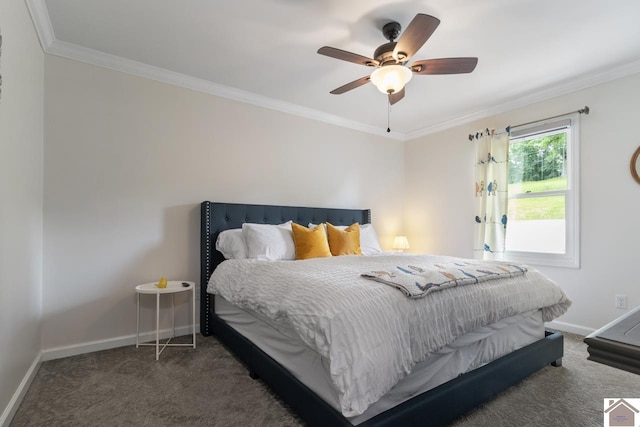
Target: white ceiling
264 51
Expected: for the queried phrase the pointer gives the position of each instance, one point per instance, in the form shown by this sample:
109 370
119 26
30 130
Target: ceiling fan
392 73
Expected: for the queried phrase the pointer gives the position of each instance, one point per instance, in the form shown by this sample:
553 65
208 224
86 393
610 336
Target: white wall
127 162
21 139
439 197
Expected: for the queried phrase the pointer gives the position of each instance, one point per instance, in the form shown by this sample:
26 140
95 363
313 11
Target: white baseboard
569 327
91 346
16 399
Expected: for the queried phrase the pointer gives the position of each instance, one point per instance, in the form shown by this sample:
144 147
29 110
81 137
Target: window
543 220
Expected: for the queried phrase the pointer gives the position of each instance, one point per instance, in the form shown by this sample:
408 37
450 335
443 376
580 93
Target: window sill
543 259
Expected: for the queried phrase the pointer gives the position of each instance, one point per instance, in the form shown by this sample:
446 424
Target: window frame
571 257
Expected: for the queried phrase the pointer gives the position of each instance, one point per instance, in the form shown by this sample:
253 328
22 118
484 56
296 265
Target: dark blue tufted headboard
217 217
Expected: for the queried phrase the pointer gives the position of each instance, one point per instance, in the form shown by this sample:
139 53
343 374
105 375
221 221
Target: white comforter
371 333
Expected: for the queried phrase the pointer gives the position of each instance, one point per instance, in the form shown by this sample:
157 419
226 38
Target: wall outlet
621 301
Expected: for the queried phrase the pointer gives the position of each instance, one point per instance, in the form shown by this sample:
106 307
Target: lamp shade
391 78
401 243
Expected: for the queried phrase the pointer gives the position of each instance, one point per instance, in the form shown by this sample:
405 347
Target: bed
436 406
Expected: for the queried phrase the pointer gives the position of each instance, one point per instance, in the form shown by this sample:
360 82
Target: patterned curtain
491 172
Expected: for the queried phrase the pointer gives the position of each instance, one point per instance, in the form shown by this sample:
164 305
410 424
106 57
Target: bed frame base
437 407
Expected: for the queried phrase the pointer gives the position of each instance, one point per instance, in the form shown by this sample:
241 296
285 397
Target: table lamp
400 243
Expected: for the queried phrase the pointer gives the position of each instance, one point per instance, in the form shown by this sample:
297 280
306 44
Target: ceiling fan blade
347 56
395 97
416 34
444 66
354 84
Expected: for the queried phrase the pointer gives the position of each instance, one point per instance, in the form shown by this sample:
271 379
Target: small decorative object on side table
173 287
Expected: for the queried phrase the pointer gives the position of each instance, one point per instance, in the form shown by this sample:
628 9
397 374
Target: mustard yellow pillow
310 243
344 242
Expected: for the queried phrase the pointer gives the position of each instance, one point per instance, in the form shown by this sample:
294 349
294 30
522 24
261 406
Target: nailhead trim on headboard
207 301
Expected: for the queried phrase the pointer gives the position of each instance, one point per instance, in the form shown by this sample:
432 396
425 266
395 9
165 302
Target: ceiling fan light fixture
391 78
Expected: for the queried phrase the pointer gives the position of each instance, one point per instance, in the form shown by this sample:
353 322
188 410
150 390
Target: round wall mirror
635 165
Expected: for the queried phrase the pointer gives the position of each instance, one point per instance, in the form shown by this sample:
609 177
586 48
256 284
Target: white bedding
372 334
464 354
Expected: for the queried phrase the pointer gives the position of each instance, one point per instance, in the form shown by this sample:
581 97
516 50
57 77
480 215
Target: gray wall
21 139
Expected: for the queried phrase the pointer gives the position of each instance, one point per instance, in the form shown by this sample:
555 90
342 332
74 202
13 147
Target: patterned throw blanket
416 282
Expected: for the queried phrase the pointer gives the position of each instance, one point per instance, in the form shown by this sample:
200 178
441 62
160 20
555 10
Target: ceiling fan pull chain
388 113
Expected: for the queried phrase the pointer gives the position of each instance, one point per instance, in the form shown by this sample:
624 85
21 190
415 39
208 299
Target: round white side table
173 287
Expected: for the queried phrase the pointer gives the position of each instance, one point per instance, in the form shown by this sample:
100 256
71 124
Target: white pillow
231 243
369 244
269 242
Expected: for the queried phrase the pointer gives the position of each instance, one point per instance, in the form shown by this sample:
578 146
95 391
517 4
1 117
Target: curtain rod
584 110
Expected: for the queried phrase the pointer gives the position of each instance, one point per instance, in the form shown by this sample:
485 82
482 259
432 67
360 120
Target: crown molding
50 45
44 29
117 63
41 22
574 85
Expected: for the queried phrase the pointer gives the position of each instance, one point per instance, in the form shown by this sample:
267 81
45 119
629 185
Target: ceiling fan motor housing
384 54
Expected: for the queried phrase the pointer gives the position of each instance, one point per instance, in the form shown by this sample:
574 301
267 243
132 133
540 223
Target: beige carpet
208 386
